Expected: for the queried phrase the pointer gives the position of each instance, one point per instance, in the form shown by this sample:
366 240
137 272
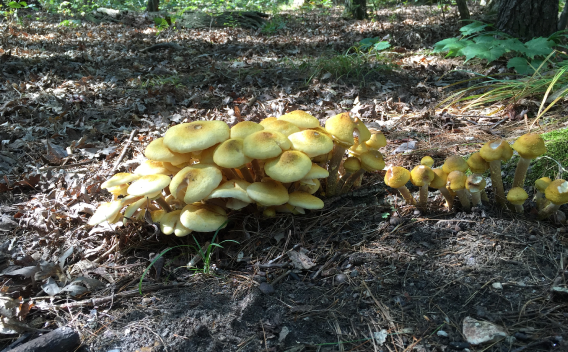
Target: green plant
13 7
476 42
275 24
205 254
372 45
70 23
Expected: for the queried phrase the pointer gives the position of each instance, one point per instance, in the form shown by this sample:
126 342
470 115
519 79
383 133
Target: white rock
442 333
497 285
477 332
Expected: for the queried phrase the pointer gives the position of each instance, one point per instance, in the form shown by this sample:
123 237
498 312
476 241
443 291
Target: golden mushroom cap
203 217
158 151
311 142
372 161
358 148
235 188
311 188
477 164
290 166
557 192
244 128
517 196
150 167
475 183
268 192
301 119
362 130
265 144
352 164
421 175
171 223
542 183
193 183
305 200
440 178
496 150
397 177
284 127
197 135
341 127
529 146
316 171
119 179
230 154
455 163
456 180
149 185
427 161
377 140
106 212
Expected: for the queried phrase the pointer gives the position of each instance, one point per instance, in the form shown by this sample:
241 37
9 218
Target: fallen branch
59 340
160 46
119 160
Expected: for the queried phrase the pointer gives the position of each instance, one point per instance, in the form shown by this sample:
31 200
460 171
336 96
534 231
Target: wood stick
59 340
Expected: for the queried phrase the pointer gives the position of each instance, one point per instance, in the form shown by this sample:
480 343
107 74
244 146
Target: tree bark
462 8
563 21
528 19
153 5
356 9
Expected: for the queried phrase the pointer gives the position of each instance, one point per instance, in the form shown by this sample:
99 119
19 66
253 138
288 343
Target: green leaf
485 39
520 65
367 43
381 46
439 46
538 47
513 44
482 51
472 28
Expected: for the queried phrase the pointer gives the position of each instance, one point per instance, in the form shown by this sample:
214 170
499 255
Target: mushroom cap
557 192
151 167
322 158
341 127
496 150
352 164
311 188
455 163
244 128
235 188
230 154
305 200
193 183
265 144
290 166
475 183
372 161
284 127
197 135
119 179
311 142
477 164
427 161
268 192
377 140
205 156
456 180
421 175
529 146
203 217
158 151
440 178
131 209
148 185
362 131
316 171
106 212
397 176
542 183
517 196
301 119
171 223
359 148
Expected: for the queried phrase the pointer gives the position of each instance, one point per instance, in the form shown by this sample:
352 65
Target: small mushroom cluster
451 179
201 170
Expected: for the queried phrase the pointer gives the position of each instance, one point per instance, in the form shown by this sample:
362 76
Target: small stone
497 285
266 288
354 273
442 333
417 212
477 332
458 345
532 238
340 279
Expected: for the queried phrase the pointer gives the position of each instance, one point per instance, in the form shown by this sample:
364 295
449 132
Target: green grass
557 153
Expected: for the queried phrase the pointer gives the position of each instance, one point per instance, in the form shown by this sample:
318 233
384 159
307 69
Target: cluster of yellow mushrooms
451 178
201 170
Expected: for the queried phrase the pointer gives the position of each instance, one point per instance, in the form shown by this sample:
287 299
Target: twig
499 122
159 46
280 278
334 258
68 166
121 156
550 339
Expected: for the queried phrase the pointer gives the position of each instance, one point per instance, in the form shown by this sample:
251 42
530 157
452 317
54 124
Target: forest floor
374 274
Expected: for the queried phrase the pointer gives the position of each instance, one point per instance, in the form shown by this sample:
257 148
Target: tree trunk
152 5
528 19
464 11
356 9
246 19
563 21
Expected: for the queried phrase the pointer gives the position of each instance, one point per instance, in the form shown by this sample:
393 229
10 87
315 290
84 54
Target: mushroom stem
423 197
497 182
448 197
246 174
484 196
333 168
521 172
405 193
230 174
548 210
541 201
519 208
464 200
341 182
476 198
351 181
257 170
162 202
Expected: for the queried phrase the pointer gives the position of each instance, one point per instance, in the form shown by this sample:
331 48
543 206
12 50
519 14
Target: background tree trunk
356 9
563 21
528 19
152 5
464 11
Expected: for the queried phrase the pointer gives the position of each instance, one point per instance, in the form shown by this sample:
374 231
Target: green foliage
372 44
70 23
273 26
476 42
